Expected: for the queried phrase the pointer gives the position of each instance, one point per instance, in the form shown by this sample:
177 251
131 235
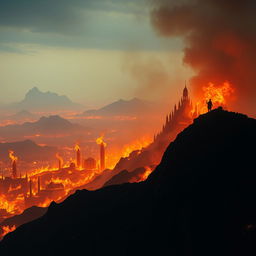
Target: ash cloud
220 42
148 72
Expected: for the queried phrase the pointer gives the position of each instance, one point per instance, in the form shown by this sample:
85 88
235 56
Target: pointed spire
167 119
170 117
185 91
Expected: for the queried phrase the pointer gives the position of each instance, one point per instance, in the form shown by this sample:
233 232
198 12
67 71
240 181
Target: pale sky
93 51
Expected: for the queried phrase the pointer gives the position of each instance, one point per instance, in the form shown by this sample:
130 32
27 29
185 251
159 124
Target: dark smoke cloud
220 42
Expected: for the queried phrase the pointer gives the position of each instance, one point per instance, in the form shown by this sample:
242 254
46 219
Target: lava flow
74 171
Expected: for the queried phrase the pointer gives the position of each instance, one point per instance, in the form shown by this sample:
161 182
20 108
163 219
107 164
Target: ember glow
220 95
12 157
79 166
147 172
7 205
136 145
6 230
100 141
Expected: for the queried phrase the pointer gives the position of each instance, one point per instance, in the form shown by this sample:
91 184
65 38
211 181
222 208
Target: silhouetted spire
167 119
185 92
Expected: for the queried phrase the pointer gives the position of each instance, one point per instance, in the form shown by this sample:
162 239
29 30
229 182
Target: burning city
39 187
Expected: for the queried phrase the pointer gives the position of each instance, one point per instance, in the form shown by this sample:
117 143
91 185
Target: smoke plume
220 42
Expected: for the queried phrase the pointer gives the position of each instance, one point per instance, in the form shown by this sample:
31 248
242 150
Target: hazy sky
94 51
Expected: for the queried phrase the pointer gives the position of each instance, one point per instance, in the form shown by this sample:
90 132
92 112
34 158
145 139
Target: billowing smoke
149 72
220 42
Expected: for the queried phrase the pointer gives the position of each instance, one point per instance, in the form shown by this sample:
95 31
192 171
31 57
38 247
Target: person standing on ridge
209 105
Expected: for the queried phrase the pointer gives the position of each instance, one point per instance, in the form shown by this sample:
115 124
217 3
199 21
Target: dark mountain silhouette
28 215
45 125
121 107
27 150
200 200
126 177
176 121
37 100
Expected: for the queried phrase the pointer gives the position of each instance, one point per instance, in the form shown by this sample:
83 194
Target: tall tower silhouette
14 169
78 157
102 156
38 185
185 92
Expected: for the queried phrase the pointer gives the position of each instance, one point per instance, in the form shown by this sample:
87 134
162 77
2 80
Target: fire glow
219 95
71 170
12 157
6 230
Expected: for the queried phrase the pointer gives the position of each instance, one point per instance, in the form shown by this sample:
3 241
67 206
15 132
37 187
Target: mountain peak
37 100
199 197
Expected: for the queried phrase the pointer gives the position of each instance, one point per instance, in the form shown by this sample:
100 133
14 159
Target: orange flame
12 207
100 141
77 147
136 145
7 229
147 172
218 95
11 189
143 176
12 157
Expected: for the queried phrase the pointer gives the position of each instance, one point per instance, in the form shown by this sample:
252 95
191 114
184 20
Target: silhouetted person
209 105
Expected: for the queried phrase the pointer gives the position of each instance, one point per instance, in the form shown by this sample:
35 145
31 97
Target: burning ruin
42 186
102 145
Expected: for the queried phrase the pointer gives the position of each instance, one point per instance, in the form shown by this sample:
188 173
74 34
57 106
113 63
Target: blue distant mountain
44 101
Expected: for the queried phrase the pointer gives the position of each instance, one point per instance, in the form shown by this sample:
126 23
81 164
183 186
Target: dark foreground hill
28 215
199 201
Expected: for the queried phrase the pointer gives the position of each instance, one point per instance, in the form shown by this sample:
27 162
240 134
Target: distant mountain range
27 150
45 125
121 107
21 116
36 100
